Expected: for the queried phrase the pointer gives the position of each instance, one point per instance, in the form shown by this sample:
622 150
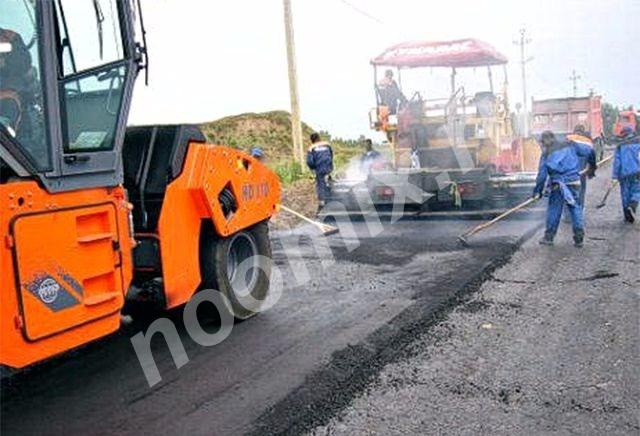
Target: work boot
578 239
547 240
628 216
631 211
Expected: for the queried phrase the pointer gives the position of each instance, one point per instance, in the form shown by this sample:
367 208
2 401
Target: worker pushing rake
560 164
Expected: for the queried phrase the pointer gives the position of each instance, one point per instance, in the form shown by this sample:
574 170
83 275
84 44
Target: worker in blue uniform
626 169
320 161
559 171
258 154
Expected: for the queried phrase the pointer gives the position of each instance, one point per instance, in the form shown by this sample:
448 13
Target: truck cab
629 118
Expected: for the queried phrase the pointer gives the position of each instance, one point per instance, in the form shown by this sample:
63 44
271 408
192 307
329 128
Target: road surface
550 345
287 371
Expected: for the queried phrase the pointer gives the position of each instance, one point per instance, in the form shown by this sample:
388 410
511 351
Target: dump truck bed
562 115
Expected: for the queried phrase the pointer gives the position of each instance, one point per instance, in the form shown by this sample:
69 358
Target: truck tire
221 262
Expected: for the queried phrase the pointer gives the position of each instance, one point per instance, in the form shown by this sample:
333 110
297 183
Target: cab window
93 72
21 90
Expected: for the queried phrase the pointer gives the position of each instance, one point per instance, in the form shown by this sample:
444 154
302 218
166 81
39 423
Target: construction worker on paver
390 93
626 169
560 169
580 136
320 161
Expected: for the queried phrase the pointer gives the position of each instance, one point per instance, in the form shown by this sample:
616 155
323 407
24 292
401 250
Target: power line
363 12
550 84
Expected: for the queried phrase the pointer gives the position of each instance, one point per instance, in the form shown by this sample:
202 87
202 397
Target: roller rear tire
232 266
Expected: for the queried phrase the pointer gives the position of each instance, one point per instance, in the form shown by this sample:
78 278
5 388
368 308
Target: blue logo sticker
53 295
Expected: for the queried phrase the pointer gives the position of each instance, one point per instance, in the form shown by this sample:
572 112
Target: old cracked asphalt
319 359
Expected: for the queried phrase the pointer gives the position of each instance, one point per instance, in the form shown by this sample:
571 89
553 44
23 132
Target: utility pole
296 125
523 42
574 78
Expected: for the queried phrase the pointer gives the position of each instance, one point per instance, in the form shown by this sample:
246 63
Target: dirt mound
269 130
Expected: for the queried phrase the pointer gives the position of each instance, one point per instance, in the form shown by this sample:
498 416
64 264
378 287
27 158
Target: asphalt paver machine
456 144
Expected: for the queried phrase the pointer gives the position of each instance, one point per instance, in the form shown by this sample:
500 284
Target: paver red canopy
459 54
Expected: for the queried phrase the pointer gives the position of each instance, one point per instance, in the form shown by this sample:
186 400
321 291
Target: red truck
562 115
627 118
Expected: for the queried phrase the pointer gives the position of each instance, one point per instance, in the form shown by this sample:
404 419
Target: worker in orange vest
580 136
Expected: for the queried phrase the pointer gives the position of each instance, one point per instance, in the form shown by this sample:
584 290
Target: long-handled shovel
326 229
463 238
603 203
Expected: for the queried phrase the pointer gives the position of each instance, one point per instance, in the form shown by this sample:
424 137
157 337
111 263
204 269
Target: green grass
289 172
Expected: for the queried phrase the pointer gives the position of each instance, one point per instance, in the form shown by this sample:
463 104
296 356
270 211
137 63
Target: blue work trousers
557 204
322 187
630 191
630 194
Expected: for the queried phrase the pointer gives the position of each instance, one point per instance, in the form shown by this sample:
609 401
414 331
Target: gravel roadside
549 345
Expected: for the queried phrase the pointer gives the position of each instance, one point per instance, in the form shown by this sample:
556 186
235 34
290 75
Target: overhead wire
363 12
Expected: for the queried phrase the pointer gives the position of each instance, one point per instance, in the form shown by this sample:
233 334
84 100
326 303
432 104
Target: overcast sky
212 58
